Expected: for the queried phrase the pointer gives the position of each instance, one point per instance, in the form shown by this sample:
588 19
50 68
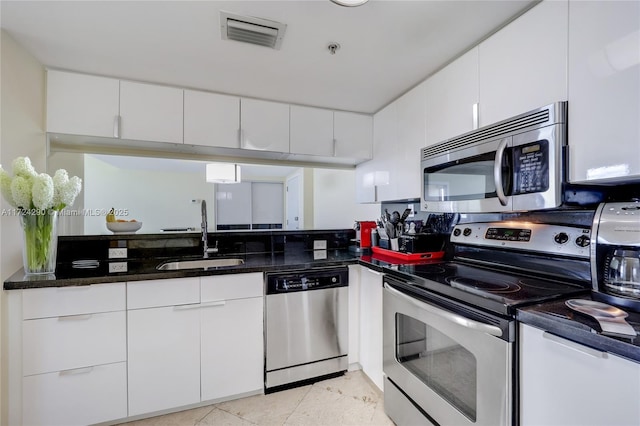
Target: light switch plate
118 253
117 267
320 244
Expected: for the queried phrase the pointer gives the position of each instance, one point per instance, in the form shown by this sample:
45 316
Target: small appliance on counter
363 234
615 254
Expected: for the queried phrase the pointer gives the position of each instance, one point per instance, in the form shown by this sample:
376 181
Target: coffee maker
363 234
615 254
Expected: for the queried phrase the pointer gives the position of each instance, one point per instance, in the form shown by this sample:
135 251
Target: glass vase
40 246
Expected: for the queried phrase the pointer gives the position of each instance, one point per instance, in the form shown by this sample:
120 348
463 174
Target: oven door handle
449 316
497 172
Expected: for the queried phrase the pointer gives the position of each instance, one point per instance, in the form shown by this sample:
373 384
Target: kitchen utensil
382 234
395 217
391 229
611 319
405 215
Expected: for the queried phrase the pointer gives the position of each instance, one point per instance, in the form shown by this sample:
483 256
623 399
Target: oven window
441 363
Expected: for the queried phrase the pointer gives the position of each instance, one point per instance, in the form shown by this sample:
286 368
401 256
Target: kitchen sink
199 264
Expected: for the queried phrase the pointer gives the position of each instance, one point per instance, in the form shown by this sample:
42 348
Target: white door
293 203
267 205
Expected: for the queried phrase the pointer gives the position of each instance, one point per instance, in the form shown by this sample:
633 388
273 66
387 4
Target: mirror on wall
166 195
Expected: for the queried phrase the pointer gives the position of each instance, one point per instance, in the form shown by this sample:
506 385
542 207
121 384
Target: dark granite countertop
556 318
145 269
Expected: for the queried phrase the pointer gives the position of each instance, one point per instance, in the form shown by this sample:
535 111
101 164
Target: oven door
454 368
474 179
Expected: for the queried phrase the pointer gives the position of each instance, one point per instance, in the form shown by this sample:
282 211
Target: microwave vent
551 114
249 29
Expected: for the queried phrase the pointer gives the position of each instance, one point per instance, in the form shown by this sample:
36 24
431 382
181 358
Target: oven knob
466 232
561 238
456 232
583 241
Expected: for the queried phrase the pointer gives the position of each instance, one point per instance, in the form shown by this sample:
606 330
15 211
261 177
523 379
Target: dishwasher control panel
286 282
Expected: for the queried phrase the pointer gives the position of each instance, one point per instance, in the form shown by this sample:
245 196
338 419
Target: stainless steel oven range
450 352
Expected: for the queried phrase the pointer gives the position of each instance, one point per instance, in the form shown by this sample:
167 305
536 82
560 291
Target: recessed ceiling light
350 3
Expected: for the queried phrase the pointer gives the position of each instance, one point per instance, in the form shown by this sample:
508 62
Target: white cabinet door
267 205
563 383
371 325
524 65
411 130
76 397
311 131
368 189
150 112
353 134
265 125
211 119
232 347
451 94
82 104
604 90
163 358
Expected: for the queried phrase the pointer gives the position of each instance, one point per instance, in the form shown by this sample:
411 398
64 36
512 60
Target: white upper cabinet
353 134
451 94
82 104
211 119
604 91
411 130
150 112
312 131
265 125
524 65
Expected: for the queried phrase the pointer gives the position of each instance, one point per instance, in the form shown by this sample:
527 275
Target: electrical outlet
118 253
319 254
117 267
320 244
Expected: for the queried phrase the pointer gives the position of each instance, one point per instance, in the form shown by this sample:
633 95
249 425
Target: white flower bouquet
37 198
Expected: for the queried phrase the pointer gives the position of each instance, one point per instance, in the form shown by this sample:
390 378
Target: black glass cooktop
498 291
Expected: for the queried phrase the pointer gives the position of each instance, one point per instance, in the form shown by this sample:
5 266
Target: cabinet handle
476 118
186 307
575 346
214 304
241 138
372 271
116 127
75 317
335 146
76 371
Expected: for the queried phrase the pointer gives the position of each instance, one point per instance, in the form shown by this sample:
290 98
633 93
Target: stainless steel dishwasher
306 323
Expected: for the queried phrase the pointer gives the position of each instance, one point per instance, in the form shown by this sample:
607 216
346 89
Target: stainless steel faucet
205 240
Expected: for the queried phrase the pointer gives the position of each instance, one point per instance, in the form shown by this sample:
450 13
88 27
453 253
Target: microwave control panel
531 167
537 237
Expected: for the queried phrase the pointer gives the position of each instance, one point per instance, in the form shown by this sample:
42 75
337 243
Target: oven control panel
538 237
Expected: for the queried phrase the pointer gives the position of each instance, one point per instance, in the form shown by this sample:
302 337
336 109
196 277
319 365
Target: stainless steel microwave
513 165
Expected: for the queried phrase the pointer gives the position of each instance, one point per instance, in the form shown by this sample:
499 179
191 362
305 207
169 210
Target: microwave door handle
449 316
497 172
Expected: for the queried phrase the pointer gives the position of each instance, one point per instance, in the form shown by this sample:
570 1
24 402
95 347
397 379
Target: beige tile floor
347 400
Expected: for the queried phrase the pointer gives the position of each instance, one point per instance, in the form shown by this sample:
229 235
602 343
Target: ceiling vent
248 29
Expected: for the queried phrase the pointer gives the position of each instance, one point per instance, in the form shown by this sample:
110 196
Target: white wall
158 199
73 163
334 200
22 94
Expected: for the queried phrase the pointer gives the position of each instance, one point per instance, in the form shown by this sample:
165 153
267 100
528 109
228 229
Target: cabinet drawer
156 293
63 343
76 300
75 397
234 286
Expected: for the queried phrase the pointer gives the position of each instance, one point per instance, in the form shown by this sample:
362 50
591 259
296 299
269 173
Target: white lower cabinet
371 325
76 397
563 383
232 354
232 357
164 357
73 355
